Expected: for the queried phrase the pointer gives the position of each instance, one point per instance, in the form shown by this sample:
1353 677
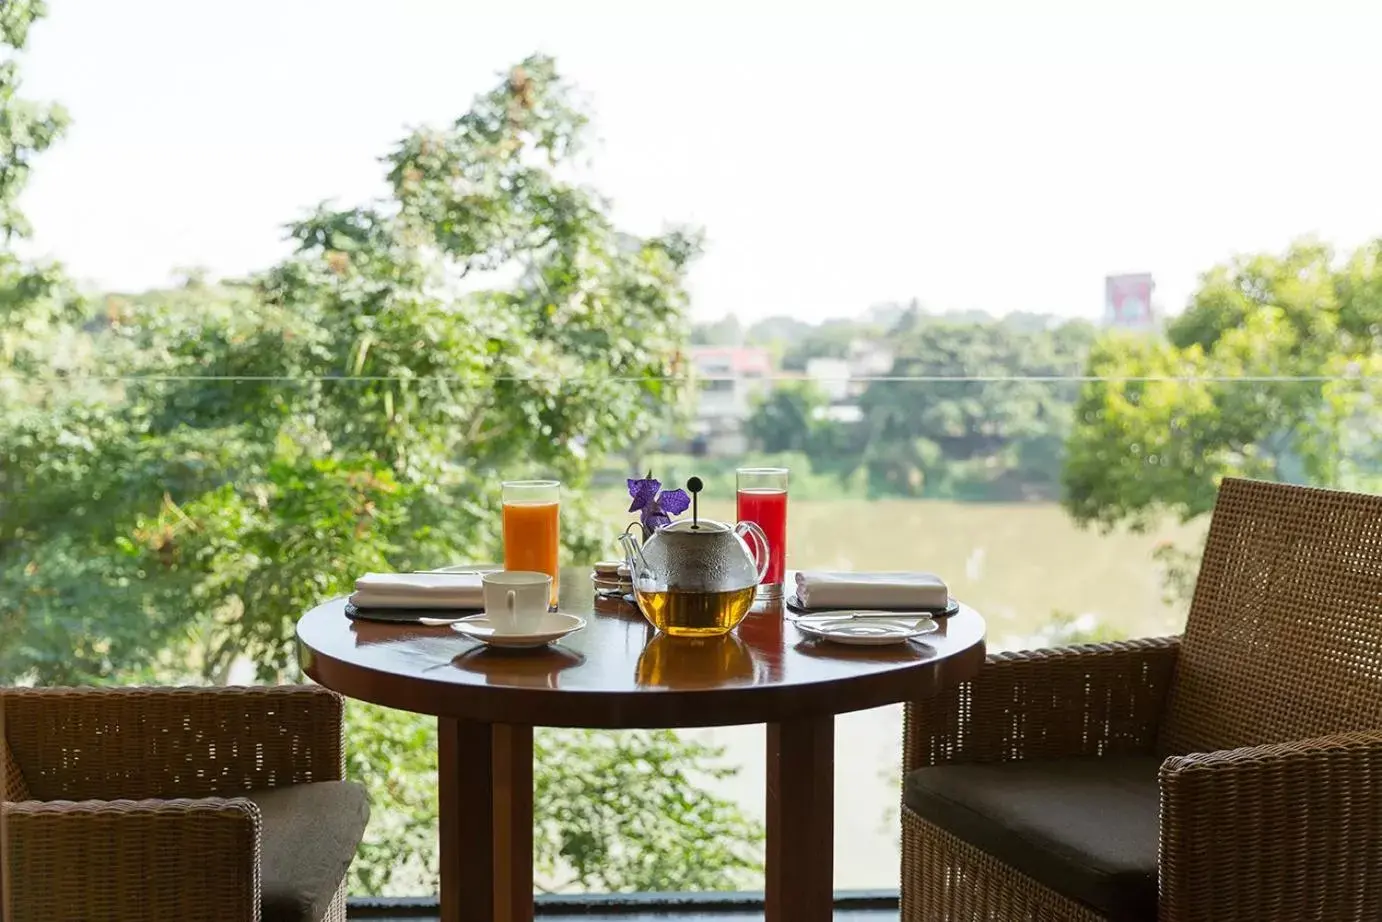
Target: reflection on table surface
540 668
695 662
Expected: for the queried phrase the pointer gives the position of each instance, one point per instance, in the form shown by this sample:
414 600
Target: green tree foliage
27 128
624 811
790 420
33 299
38 327
997 433
353 408
786 418
198 466
1272 371
986 418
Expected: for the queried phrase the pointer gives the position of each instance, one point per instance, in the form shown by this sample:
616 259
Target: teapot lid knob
694 486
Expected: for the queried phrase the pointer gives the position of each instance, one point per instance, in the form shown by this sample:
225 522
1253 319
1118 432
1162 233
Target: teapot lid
696 527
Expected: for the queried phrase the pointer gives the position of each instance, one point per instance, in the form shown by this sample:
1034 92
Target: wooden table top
620 673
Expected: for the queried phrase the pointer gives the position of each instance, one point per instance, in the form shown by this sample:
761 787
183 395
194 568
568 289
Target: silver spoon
441 622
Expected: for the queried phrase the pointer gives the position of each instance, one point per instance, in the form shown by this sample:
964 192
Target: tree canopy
184 472
27 128
350 409
1271 371
973 408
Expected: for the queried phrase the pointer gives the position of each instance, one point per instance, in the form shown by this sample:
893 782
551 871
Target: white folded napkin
419 590
819 590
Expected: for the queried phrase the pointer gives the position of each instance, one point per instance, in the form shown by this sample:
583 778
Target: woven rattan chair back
136 743
12 786
1284 638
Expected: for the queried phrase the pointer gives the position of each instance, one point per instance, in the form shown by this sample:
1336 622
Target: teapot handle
762 554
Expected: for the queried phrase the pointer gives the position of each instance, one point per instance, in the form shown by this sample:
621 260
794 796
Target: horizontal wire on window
697 379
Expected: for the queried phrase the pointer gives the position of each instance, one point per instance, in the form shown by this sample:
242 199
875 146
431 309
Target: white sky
838 154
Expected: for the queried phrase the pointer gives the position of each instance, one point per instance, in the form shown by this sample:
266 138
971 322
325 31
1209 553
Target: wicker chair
1234 774
184 804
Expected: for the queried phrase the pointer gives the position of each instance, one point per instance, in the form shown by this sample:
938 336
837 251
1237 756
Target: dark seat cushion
310 834
1086 828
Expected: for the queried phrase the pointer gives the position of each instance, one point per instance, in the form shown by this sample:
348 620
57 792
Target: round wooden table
619 673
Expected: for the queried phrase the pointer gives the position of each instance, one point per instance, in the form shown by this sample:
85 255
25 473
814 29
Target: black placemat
406 615
794 605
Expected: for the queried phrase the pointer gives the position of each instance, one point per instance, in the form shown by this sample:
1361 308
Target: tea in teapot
697 578
694 614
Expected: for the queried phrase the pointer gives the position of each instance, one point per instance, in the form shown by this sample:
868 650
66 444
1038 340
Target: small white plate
552 626
869 631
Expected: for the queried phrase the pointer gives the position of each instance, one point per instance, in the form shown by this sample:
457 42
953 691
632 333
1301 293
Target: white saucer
867 631
551 626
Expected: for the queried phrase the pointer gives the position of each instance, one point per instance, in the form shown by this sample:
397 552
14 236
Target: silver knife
849 615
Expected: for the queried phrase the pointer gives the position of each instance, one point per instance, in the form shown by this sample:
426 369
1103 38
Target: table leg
513 823
801 821
486 819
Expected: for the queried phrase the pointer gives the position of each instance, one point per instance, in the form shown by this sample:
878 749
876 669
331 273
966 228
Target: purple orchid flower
656 509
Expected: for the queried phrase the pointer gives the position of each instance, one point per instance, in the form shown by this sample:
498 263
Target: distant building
729 379
1128 303
844 381
869 358
831 376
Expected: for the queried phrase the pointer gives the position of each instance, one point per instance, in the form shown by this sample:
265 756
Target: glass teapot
697 578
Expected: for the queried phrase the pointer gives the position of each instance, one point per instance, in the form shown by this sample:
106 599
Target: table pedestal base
800 866
486 855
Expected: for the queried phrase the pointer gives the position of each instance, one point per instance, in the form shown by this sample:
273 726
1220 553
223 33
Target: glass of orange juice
531 527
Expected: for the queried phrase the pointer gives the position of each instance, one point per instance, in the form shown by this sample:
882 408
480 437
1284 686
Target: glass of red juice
762 499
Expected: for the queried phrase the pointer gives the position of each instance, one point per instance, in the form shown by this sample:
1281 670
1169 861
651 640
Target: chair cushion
1086 828
310 834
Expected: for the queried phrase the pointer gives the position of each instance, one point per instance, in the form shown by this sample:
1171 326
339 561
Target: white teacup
516 600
